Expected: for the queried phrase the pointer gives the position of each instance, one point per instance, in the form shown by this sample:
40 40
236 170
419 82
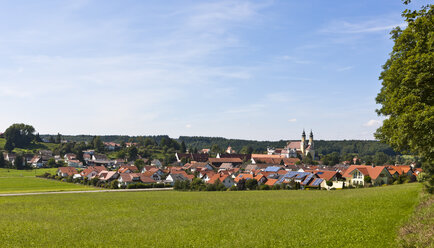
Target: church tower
303 142
311 140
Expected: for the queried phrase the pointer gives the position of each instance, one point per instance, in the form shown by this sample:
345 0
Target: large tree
406 96
19 135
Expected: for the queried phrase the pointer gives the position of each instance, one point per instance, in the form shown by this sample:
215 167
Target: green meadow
367 217
25 173
34 184
24 181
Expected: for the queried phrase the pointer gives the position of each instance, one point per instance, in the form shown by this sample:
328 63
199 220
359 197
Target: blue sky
238 69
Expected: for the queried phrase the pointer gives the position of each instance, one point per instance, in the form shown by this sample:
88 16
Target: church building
293 148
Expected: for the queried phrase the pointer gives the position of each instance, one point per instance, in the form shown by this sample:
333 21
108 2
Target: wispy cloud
346 68
372 123
292 120
367 26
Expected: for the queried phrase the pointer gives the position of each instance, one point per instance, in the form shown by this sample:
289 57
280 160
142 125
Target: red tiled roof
271 182
68 170
225 160
294 145
373 172
124 168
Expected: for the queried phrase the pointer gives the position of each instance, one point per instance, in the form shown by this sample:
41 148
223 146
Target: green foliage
19 135
251 184
329 183
97 144
2 161
264 187
367 179
139 163
406 96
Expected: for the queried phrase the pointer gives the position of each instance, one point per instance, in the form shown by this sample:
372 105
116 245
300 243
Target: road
86 191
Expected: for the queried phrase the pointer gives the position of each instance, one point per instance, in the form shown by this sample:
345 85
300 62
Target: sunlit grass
347 218
25 173
34 184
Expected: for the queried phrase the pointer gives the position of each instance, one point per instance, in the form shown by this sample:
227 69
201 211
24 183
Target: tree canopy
406 96
19 135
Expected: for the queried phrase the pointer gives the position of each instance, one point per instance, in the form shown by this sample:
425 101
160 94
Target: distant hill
361 147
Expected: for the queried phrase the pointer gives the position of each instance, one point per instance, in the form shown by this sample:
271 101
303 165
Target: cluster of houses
231 168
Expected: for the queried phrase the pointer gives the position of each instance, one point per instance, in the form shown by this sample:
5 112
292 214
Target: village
279 168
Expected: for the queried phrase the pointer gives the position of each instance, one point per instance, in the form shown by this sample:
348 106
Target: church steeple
303 142
311 139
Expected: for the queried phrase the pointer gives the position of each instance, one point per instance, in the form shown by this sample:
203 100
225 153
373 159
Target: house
172 178
154 174
10 157
66 171
130 178
197 166
37 162
92 171
260 178
317 183
99 157
229 150
333 176
156 163
69 156
256 158
294 176
205 150
273 169
217 162
243 157
128 169
206 175
226 166
111 146
108 176
355 175
75 163
198 157
251 167
224 178
400 169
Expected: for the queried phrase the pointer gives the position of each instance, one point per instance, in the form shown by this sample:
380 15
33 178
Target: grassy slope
31 148
25 173
23 181
33 184
347 218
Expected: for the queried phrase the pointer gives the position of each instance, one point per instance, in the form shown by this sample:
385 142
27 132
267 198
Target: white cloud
372 123
366 26
188 126
346 68
292 120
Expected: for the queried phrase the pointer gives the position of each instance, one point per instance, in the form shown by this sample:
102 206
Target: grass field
25 173
24 181
347 218
34 184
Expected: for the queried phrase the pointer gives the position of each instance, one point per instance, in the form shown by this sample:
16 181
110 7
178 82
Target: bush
158 185
276 187
264 187
114 184
211 187
233 188
252 184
